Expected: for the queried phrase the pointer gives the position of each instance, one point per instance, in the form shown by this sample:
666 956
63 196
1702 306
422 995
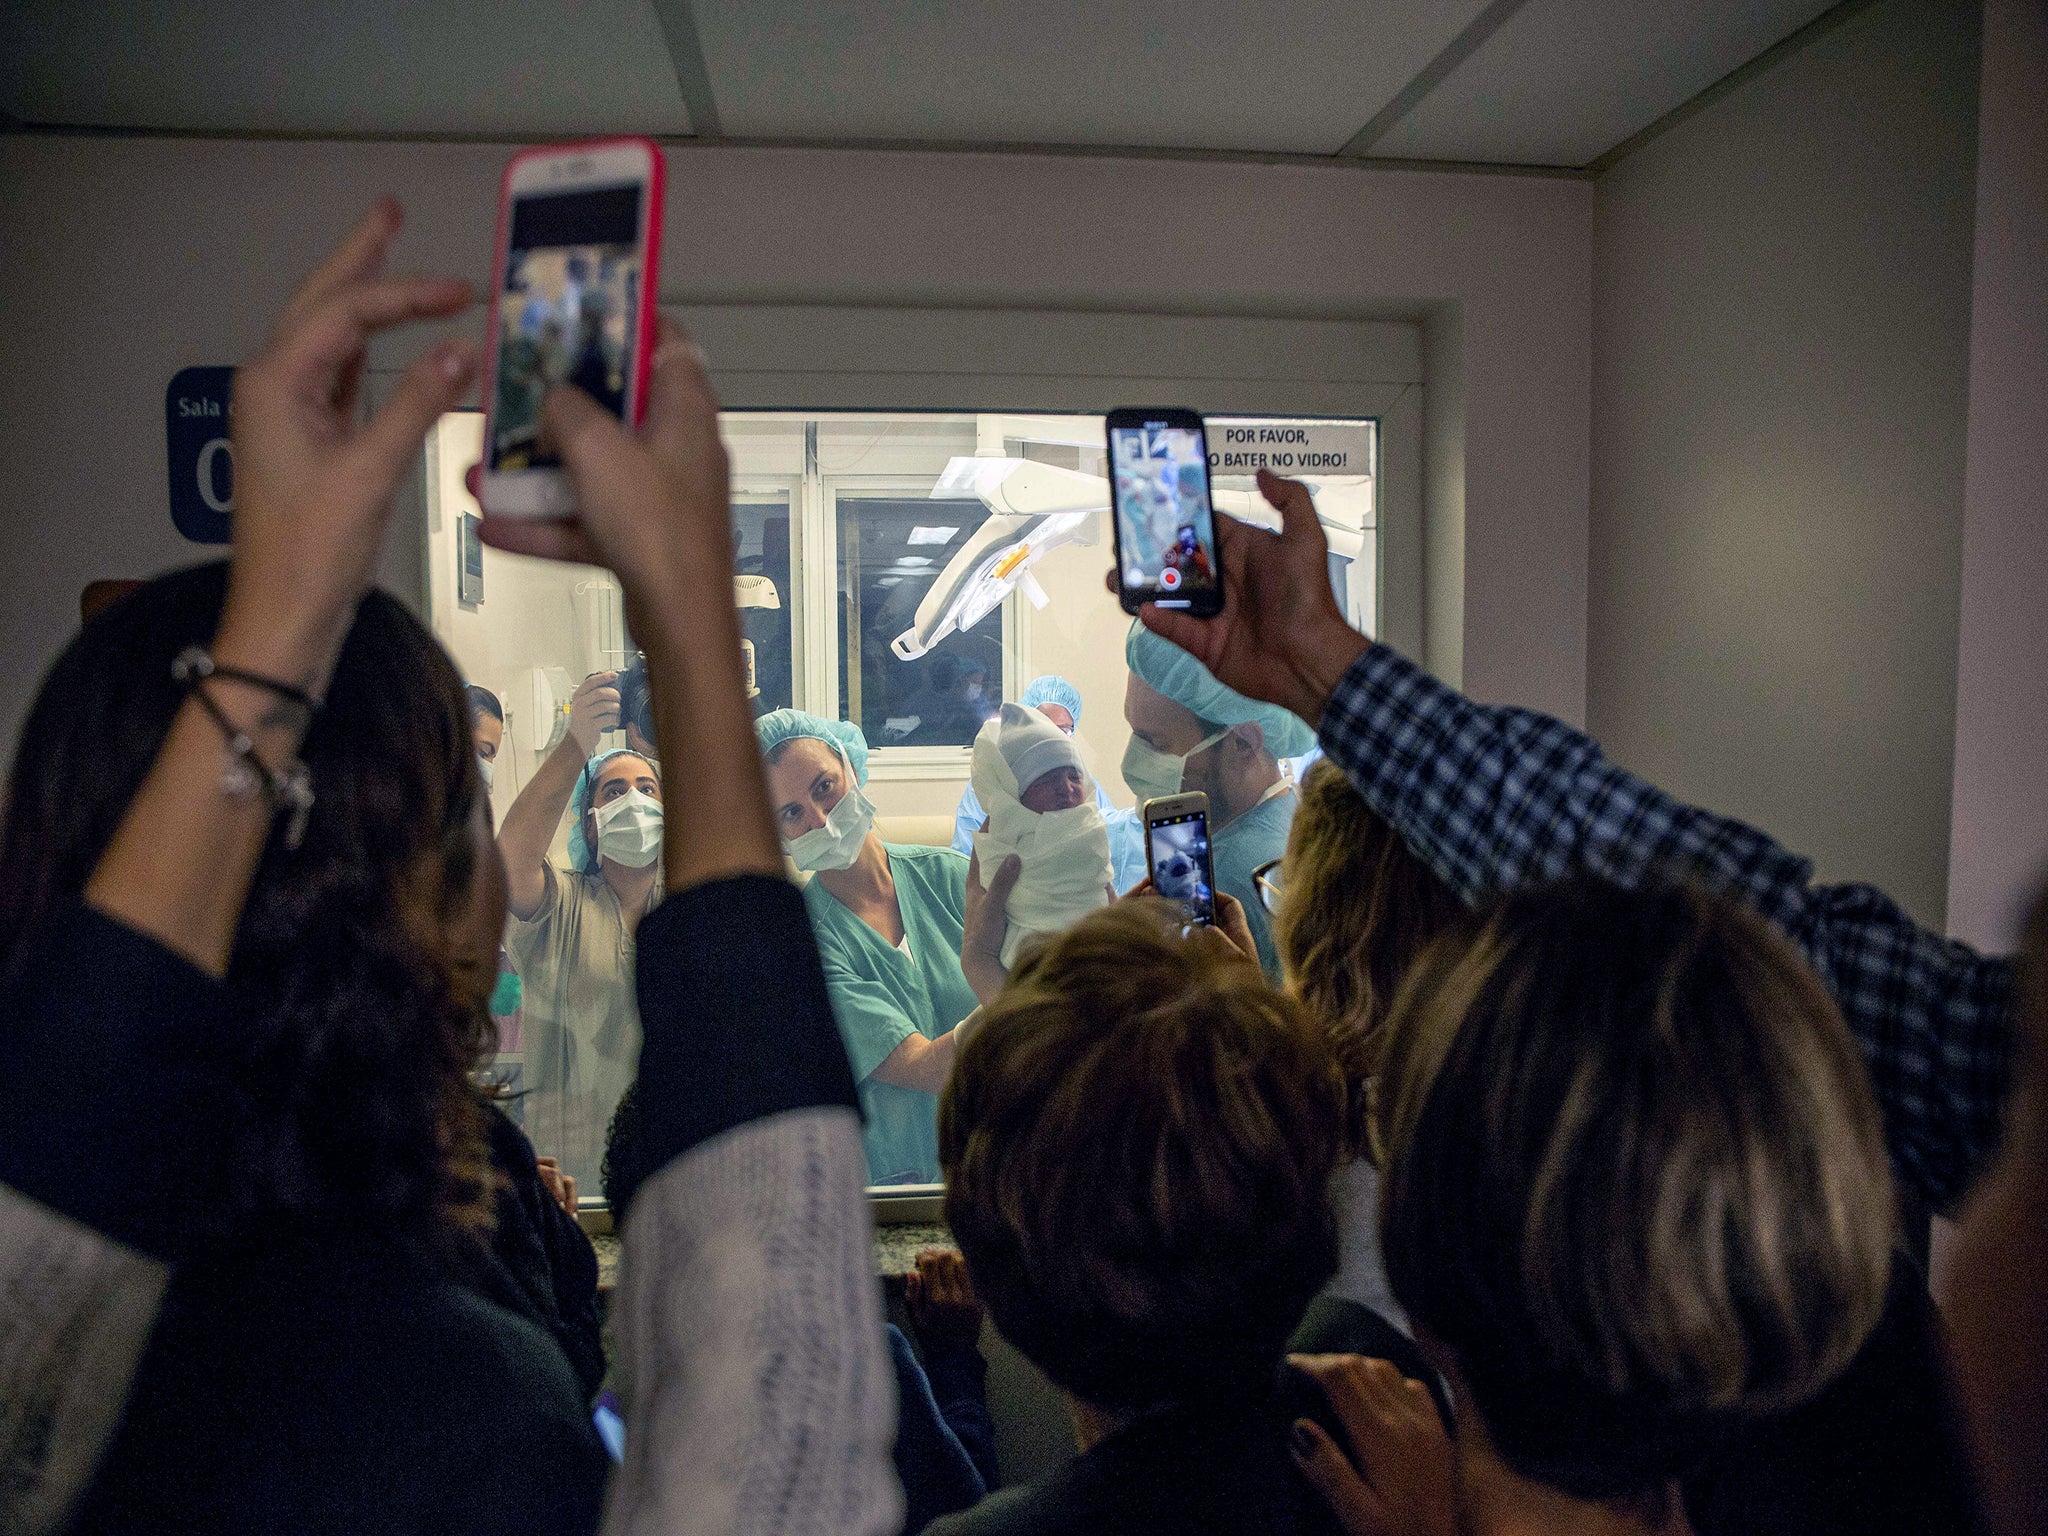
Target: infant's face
1060 790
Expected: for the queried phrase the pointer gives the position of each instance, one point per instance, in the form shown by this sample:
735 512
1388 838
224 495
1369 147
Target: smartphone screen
566 311
1180 864
1166 528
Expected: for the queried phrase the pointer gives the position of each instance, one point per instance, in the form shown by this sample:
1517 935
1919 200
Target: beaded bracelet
288 789
196 663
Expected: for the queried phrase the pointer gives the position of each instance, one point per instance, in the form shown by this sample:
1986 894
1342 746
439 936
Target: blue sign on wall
202 461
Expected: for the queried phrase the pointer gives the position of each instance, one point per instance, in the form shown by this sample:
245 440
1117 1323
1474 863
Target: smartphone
578 272
1177 854
1165 522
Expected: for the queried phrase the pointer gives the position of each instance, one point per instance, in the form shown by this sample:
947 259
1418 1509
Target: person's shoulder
376 1348
816 899
1012 1512
558 888
926 853
938 865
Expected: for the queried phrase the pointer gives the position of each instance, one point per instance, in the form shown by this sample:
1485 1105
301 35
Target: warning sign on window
1243 447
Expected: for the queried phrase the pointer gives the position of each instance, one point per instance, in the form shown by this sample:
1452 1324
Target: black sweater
329 1381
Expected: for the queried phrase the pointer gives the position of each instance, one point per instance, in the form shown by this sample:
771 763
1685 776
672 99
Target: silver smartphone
1177 854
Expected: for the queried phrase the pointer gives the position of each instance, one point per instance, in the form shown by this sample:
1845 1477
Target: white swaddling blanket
1066 868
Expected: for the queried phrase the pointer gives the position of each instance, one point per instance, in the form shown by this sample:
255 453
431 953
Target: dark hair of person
484 702
1634 1179
1138 1141
360 1014
1359 908
620 1174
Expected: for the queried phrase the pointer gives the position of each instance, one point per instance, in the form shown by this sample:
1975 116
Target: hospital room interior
1666 385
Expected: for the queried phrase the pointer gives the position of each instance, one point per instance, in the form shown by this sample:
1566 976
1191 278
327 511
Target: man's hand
1230 925
1280 636
981 938
942 1301
594 709
559 1184
1401 1476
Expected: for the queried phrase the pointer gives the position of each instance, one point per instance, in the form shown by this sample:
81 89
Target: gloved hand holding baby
1029 776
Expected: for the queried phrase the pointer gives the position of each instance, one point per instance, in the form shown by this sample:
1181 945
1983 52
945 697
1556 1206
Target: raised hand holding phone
1279 634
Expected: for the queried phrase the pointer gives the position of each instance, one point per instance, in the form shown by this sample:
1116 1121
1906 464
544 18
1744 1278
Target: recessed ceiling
471 68
1287 75
1564 81
1506 82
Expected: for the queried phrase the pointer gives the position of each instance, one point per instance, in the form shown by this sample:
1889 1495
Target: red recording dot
1169 579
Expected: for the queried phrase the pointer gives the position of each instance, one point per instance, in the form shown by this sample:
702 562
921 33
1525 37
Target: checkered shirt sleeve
1495 798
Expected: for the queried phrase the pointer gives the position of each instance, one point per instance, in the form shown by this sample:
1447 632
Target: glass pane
838 545
891 550
761 568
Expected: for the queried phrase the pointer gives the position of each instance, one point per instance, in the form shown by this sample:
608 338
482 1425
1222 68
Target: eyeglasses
1267 881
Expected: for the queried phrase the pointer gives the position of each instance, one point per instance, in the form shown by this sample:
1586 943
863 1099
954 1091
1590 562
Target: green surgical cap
789 724
1173 673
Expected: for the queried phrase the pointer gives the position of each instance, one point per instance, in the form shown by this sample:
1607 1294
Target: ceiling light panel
1287 75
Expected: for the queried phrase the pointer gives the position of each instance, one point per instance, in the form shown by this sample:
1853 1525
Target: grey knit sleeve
76 1309
758 1392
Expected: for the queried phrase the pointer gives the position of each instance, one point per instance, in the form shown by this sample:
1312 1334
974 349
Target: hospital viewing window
903 571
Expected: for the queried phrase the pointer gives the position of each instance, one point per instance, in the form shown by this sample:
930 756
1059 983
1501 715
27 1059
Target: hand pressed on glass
942 1301
1400 1476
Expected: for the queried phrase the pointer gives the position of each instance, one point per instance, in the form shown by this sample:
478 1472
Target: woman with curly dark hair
356 1196
366 1010
246 943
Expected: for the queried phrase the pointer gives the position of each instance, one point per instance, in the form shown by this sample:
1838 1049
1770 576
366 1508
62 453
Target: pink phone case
644 338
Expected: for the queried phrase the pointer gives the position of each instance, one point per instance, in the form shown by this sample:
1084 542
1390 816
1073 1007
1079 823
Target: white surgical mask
484 766
1155 775
629 830
837 844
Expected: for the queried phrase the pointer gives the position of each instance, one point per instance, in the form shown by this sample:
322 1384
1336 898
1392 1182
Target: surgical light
1034 508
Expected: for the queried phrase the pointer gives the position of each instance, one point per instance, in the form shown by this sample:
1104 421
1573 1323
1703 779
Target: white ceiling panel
1564 81
1286 75
520 68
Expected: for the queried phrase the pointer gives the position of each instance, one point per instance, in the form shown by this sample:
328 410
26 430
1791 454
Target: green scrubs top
1258 835
882 997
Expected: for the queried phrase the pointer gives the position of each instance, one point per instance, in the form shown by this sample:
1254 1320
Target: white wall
1781 352
127 259
2000 818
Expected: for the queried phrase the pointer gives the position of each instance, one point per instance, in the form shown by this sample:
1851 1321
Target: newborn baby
1041 806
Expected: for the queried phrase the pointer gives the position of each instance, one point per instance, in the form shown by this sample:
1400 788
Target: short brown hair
1138 1142
1359 908
1635 1179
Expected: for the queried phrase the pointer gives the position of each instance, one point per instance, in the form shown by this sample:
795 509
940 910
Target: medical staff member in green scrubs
1189 732
891 921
